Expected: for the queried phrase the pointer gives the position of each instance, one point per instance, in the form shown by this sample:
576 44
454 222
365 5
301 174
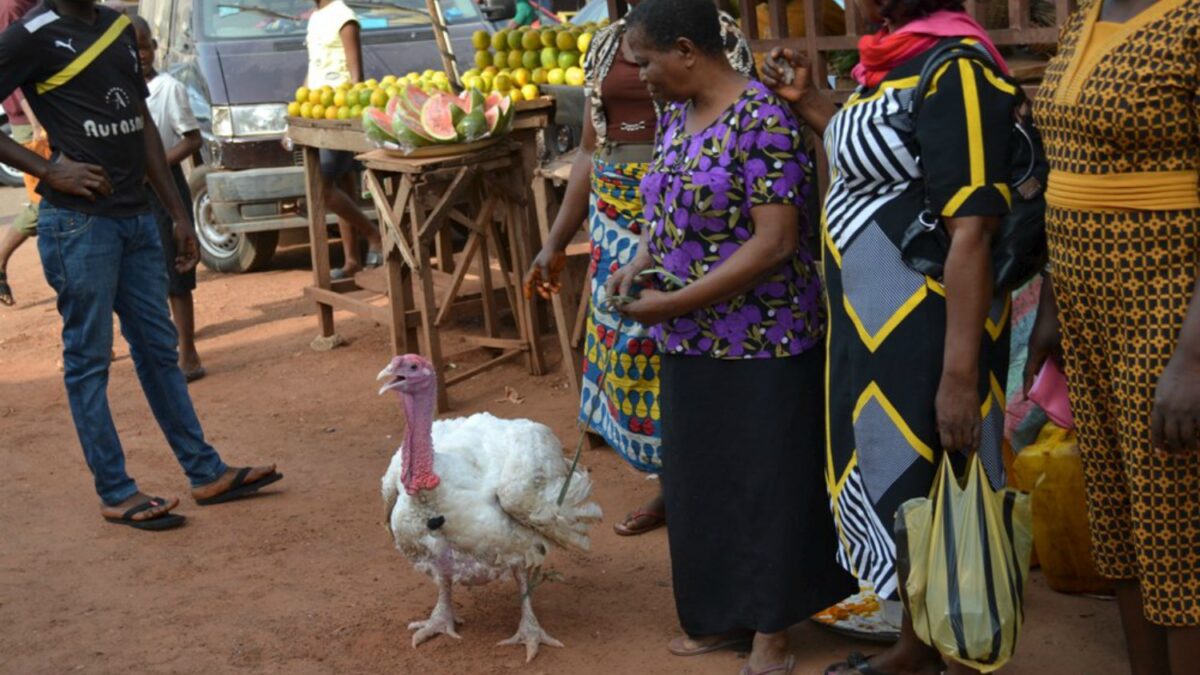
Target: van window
249 19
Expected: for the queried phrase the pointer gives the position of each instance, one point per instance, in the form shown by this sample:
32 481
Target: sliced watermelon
437 119
492 117
402 124
412 98
393 105
473 126
377 126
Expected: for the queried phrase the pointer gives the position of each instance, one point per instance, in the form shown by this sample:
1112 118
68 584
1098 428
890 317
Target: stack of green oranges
516 62
347 101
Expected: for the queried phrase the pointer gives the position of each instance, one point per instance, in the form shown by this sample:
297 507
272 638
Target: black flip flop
240 488
164 522
855 662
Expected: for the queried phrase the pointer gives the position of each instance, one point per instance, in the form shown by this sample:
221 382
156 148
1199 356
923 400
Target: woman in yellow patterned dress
1120 116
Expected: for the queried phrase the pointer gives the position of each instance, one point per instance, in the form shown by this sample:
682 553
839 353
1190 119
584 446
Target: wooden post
442 36
318 237
431 343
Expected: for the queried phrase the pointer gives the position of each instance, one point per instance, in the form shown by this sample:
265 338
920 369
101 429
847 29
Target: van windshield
249 19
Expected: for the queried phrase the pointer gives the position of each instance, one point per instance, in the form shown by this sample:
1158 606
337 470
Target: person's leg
364 226
184 315
140 304
10 241
1146 642
908 655
1183 649
350 262
81 258
769 650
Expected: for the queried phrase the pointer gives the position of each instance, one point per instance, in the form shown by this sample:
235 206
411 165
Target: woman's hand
620 283
788 74
960 425
543 275
651 307
1175 421
1045 341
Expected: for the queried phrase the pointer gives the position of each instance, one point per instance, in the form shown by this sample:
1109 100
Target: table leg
431 341
563 301
318 236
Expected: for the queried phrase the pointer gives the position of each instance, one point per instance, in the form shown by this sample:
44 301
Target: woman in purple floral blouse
753 548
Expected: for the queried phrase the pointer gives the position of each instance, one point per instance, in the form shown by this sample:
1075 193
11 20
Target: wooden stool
489 178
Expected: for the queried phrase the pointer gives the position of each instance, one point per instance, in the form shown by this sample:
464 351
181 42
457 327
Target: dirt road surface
305 579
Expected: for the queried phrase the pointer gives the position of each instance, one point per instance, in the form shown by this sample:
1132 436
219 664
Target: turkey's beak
388 374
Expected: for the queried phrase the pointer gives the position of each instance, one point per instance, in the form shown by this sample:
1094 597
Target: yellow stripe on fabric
974 123
999 83
964 193
937 77
873 392
86 58
872 342
829 243
829 478
995 328
906 83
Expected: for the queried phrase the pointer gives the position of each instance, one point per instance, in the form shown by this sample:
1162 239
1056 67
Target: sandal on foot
194 374
788 665
676 646
374 259
239 488
166 521
856 663
656 520
6 296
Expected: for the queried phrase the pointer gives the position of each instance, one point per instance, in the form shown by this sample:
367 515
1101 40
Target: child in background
180 132
335 56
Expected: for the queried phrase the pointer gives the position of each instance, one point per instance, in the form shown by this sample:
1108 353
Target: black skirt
752 540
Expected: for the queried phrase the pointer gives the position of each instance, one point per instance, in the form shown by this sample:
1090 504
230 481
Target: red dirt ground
305 580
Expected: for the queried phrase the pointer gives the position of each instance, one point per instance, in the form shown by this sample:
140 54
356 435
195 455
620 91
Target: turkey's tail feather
566 525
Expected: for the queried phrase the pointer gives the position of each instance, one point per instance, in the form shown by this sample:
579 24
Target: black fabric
337 163
177 284
752 540
1019 244
94 117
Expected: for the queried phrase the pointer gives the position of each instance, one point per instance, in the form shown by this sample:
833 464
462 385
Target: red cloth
11 11
880 52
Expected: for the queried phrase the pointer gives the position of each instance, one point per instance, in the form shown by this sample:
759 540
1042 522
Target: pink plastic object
1049 391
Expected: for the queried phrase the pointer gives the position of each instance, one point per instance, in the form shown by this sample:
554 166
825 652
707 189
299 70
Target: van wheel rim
216 240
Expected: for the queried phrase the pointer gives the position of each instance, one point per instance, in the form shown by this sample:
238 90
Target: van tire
228 253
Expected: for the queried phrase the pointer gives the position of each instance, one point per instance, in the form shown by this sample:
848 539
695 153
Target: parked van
242 61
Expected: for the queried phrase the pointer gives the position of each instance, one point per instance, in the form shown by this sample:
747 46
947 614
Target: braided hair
663 22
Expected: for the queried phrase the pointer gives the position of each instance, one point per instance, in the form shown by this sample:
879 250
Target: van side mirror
499 10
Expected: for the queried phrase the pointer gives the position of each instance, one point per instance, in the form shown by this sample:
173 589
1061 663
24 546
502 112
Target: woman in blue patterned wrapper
618 140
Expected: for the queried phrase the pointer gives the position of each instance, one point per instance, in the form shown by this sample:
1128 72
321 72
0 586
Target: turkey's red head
408 374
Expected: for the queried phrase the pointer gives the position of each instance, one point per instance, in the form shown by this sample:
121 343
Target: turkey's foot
530 634
441 622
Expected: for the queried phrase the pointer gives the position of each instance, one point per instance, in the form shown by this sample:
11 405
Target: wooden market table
422 284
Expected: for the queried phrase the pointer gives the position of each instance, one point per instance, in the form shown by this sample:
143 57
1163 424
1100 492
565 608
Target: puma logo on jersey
66 45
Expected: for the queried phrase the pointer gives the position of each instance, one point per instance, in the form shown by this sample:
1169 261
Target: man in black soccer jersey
78 66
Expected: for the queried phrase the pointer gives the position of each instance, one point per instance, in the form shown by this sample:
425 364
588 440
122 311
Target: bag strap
940 57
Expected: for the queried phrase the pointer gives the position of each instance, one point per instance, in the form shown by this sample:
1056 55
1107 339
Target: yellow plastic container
1051 471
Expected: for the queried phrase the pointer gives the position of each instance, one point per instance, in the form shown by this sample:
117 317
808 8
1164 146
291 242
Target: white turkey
475 499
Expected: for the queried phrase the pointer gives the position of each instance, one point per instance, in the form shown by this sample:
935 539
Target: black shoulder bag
1019 243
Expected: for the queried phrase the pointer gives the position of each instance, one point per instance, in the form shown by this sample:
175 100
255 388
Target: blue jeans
99 265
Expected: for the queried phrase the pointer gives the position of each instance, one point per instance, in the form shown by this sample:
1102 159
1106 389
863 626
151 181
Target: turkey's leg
530 632
442 621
